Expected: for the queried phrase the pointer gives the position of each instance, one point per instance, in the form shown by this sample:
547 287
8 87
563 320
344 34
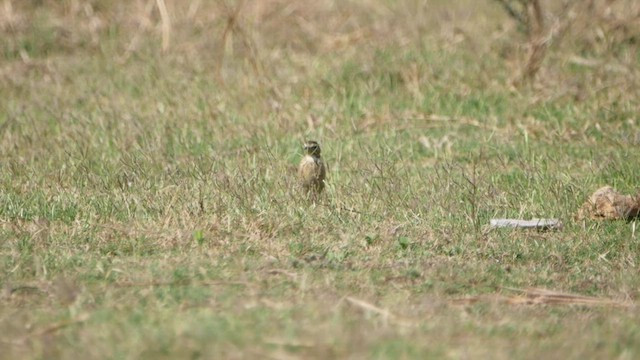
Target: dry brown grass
148 153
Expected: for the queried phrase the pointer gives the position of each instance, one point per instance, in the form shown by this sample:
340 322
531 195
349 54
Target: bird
312 170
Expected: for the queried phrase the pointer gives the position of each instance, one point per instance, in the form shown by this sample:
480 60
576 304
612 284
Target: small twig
166 24
544 296
369 307
231 23
536 296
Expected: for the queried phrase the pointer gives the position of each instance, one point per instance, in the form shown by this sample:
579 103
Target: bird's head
312 148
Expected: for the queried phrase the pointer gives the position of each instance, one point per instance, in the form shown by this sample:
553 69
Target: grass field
149 205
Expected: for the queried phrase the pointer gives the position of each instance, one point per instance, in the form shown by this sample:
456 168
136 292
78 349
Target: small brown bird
312 170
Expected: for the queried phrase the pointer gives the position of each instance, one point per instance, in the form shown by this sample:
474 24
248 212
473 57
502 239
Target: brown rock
608 204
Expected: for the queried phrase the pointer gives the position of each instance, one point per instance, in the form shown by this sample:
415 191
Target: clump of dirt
608 204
